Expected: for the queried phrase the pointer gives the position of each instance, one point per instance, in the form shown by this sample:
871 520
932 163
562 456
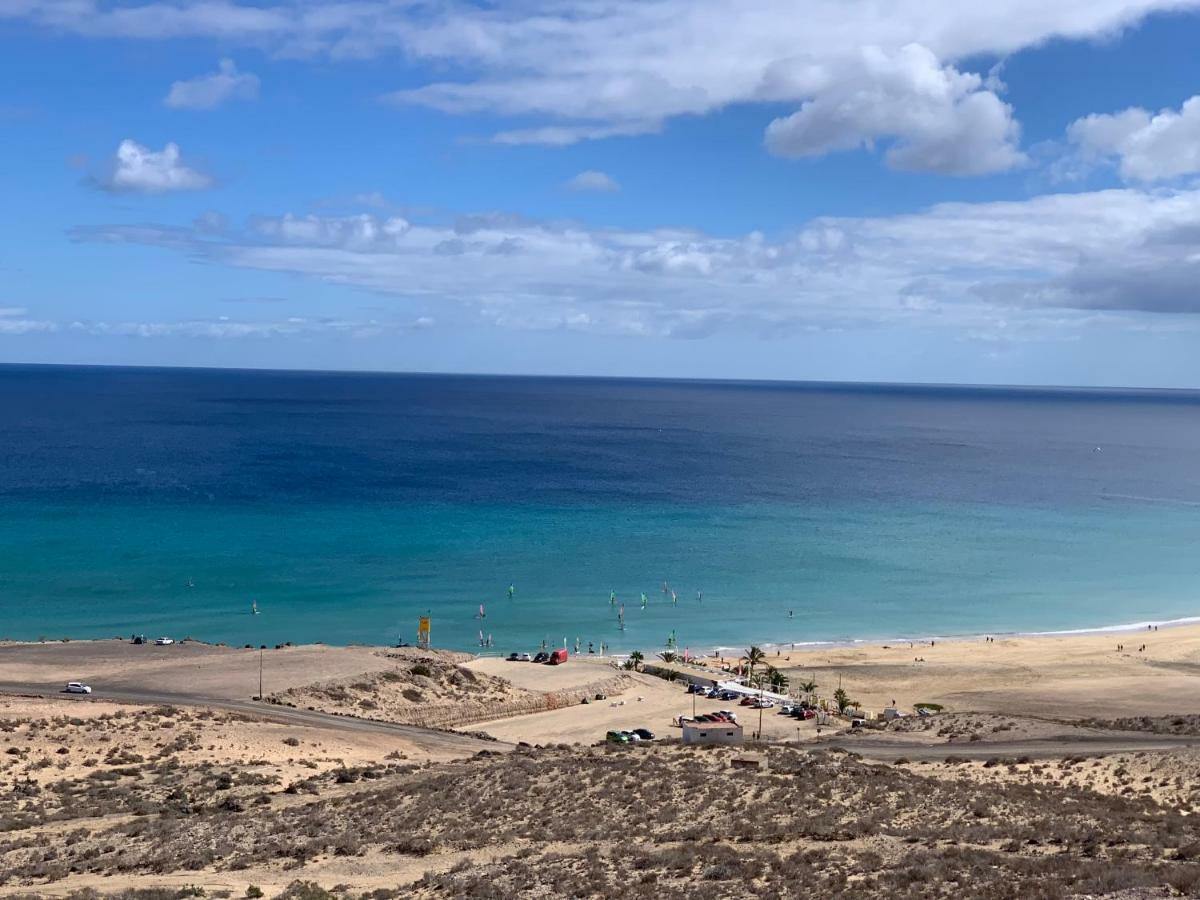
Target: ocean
165 501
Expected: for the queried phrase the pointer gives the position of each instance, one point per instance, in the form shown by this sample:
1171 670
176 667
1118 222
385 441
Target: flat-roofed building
712 733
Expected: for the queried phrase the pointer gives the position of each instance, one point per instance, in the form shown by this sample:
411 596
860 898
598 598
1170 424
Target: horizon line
817 382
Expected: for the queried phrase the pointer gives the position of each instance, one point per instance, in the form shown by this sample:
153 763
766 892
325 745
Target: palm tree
668 656
842 699
636 659
808 688
754 656
777 680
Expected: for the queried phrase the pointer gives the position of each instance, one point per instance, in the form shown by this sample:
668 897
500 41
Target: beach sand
1061 676
186 668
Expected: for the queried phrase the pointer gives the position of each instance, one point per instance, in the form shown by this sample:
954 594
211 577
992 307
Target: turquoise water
363 574
164 502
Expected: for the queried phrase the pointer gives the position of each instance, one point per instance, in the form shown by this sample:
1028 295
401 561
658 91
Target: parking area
650 703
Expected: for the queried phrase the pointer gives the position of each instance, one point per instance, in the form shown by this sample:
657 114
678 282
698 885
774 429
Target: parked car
644 734
728 695
696 689
513 657
524 657
77 687
557 658
541 657
763 704
712 693
616 737
786 709
163 642
746 701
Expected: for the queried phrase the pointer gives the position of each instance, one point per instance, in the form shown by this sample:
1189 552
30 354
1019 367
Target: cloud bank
1036 266
574 70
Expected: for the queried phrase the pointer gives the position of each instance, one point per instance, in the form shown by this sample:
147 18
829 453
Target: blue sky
850 190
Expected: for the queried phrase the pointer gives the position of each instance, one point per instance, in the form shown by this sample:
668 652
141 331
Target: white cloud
362 232
15 320
210 91
1034 267
137 168
943 120
1145 146
225 328
592 180
575 70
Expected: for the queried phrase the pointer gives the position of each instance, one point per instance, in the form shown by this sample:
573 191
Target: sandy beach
1067 675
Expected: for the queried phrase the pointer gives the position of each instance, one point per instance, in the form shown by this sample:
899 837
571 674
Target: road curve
424 738
1034 748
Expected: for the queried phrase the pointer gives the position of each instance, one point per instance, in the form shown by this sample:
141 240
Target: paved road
423 738
1035 748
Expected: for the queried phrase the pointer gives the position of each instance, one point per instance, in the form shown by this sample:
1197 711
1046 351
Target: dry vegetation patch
653 821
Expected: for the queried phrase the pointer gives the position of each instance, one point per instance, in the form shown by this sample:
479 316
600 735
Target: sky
847 190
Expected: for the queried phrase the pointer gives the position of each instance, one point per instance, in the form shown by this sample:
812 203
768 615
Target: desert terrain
1058 767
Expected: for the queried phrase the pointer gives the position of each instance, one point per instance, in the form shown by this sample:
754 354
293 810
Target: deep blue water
163 501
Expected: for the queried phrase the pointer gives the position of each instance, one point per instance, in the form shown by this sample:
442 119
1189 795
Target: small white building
712 733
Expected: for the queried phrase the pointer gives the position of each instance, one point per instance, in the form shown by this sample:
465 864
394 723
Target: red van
557 657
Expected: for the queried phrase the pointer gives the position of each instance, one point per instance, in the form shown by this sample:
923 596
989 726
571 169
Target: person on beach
512 589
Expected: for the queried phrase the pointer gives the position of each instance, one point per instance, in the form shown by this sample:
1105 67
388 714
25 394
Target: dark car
512 657
644 733
541 657
728 695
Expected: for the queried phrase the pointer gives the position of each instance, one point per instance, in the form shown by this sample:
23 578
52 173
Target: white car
77 687
524 657
163 642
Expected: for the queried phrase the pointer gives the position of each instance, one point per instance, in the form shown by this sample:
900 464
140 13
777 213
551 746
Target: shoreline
699 652
972 637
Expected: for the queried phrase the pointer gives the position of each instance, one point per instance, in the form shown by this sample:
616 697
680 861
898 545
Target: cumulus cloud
1144 146
139 169
942 120
1031 267
592 180
574 70
210 91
